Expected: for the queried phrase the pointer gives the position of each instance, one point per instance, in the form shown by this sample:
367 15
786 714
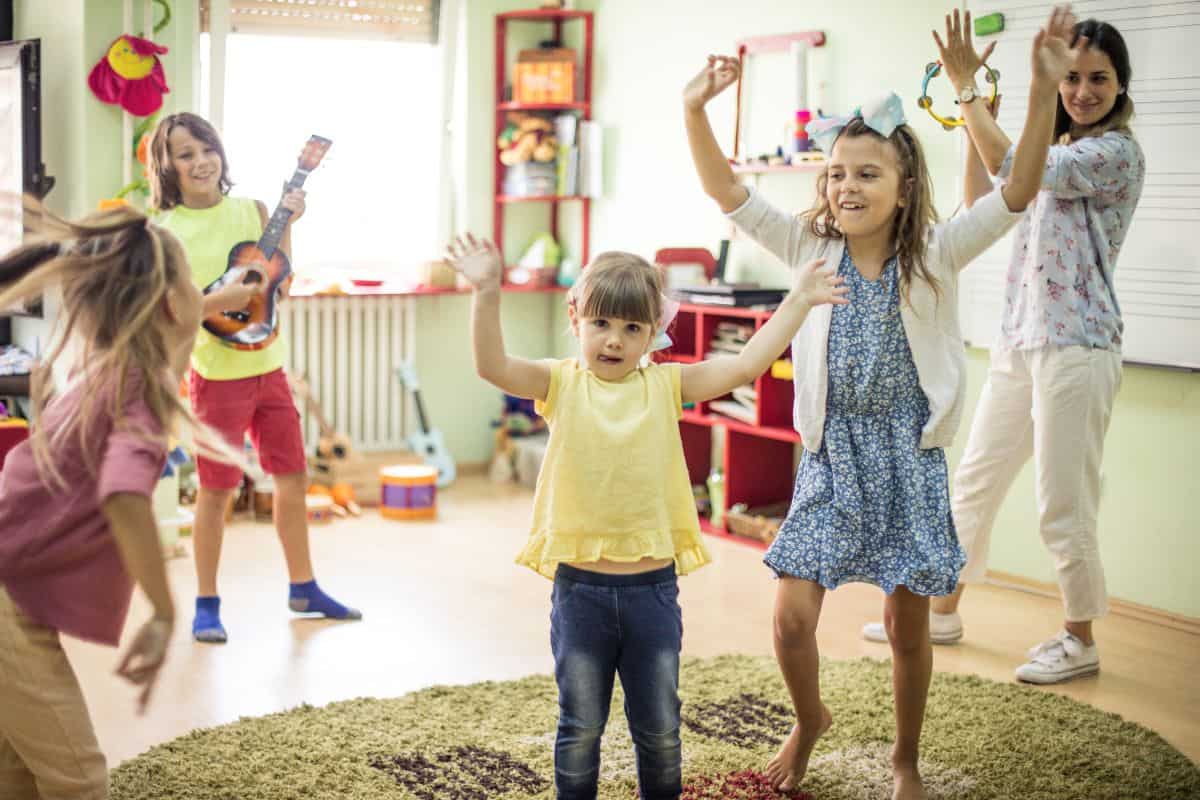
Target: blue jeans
601 625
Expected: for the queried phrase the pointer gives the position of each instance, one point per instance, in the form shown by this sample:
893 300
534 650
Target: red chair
688 255
11 435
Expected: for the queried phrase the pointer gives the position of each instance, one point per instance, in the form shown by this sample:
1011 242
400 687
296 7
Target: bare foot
908 785
787 768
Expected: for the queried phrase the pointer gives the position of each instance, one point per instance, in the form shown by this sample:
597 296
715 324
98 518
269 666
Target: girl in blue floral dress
880 383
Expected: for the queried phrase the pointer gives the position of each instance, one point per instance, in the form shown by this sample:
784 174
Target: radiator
349 348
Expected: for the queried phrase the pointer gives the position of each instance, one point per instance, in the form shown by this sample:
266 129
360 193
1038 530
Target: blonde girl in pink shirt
77 530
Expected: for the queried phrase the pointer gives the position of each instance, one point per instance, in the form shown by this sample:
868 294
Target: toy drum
320 508
408 491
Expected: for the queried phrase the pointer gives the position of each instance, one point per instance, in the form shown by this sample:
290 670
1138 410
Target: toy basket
760 523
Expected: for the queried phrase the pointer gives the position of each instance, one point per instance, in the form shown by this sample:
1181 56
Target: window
373 204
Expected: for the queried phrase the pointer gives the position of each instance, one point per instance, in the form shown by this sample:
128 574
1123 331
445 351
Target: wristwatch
968 94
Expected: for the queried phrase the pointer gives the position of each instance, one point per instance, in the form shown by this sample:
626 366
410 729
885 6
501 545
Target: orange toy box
544 76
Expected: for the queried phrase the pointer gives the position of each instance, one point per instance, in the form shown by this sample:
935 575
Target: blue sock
307 598
206 625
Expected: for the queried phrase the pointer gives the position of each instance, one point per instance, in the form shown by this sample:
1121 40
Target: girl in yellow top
233 391
614 520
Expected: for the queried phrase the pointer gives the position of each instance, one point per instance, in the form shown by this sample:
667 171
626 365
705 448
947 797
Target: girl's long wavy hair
913 219
164 182
113 269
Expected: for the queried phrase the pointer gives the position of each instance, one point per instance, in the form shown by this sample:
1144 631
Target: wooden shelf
543 14
512 106
16 385
539 198
763 169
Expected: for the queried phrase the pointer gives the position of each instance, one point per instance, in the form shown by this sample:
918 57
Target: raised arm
976 181
815 285
480 263
1052 56
961 63
712 166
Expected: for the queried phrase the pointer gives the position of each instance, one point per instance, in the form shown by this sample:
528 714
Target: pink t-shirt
58 558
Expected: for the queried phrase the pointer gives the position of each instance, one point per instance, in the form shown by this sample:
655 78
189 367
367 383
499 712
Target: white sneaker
943 629
1060 659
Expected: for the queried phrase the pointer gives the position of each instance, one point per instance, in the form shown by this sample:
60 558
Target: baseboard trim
1125 608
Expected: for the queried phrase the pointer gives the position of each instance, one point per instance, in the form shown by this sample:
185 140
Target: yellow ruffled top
614 484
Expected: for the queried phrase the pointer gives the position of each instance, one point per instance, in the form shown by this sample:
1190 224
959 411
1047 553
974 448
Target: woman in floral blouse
1056 365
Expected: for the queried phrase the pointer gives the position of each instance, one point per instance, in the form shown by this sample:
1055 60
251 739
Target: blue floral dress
871 506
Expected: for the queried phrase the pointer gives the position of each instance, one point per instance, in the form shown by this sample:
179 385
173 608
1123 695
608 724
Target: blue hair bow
882 115
662 339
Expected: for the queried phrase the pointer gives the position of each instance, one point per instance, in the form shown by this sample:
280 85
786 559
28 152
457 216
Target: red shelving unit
555 18
758 457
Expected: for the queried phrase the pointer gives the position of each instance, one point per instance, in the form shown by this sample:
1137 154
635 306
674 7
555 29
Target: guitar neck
273 233
421 411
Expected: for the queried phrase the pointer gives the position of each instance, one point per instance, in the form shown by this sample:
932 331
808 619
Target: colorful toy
527 137
932 70
131 76
319 509
408 491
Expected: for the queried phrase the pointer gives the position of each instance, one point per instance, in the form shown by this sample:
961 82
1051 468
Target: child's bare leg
906 616
291 523
208 533
797 610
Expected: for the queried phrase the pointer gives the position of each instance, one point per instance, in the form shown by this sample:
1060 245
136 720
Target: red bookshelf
758 456
554 19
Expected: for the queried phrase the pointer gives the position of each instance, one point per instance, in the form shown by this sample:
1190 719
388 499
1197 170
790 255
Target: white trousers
1054 404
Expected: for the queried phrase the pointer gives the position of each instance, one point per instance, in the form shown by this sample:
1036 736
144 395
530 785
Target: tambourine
932 70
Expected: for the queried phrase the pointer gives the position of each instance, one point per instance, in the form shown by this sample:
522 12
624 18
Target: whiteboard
1158 271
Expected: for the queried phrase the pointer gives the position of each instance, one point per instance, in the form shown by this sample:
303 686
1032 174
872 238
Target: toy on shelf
527 137
408 491
519 419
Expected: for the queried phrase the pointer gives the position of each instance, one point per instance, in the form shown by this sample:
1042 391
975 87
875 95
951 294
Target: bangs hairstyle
913 219
619 285
1108 40
164 181
114 270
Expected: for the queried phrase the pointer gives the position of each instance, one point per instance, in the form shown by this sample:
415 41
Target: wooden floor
444 604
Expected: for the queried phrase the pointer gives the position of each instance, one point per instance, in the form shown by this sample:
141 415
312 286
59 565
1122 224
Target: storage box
361 471
544 76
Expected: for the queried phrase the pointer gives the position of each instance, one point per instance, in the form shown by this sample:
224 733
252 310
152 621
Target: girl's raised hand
958 55
718 74
1053 54
477 260
817 284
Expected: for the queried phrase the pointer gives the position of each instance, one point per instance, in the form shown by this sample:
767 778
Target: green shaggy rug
494 741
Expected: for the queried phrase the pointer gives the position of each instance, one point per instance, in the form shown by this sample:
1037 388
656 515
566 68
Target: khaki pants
1054 404
48 749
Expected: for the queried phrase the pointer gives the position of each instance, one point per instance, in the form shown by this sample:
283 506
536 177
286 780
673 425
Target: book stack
728 340
728 294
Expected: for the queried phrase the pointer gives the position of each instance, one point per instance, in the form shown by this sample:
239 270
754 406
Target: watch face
968 94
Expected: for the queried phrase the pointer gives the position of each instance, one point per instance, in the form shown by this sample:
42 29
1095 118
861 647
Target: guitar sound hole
238 316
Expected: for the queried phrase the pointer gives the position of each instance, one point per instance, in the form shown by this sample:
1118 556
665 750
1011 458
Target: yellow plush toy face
127 63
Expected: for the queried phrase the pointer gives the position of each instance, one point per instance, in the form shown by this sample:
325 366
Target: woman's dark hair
1108 40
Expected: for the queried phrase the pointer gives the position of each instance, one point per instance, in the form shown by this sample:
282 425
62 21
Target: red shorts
262 405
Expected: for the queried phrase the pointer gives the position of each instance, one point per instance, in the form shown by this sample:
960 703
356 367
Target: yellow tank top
614 484
208 234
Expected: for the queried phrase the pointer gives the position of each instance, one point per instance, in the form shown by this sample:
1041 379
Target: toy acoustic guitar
427 442
257 325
